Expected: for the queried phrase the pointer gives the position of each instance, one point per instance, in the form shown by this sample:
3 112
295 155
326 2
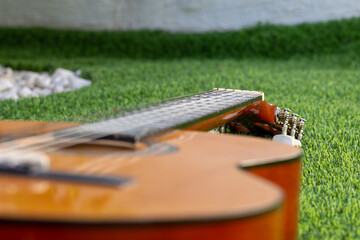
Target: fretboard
175 114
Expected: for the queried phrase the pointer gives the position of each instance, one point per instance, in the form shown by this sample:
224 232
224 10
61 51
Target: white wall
174 15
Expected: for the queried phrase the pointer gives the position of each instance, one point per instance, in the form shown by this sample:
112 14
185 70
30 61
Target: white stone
78 72
60 72
11 94
45 74
58 89
7 72
42 92
59 81
5 84
16 84
30 82
28 75
20 82
76 83
25 92
18 79
42 82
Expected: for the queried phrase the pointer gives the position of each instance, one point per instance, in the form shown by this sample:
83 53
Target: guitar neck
177 114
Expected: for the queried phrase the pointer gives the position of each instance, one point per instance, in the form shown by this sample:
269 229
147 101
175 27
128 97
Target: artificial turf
320 83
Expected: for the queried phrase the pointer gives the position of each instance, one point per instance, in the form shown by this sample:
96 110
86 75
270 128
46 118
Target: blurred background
172 15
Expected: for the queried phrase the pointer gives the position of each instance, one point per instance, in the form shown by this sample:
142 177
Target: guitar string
88 135
106 113
82 134
127 109
108 162
96 166
75 130
95 135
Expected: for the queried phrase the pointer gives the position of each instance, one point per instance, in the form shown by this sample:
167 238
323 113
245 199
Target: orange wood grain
31 127
200 182
216 121
266 226
288 177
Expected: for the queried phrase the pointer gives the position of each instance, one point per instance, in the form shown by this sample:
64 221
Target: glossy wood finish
20 129
245 228
288 177
257 111
197 190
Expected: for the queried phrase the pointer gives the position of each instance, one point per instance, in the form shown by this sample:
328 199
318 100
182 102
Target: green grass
322 85
261 41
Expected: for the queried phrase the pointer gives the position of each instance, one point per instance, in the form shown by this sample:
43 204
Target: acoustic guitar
154 173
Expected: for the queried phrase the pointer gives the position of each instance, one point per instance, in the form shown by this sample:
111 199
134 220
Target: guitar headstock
262 118
292 127
290 122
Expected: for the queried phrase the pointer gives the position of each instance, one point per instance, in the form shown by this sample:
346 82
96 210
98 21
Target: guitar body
183 185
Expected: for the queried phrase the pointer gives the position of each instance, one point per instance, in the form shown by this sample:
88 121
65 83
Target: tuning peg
284 118
300 127
292 123
300 123
282 115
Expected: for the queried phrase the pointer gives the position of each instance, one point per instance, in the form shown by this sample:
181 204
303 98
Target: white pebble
11 94
7 72
60 72
5 84
42 92
60 81
42 82
58 89
78 72
67 89
76 83
30 82
16 84
28 75
25 92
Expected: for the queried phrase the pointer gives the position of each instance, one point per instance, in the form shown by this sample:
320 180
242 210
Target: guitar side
206 188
